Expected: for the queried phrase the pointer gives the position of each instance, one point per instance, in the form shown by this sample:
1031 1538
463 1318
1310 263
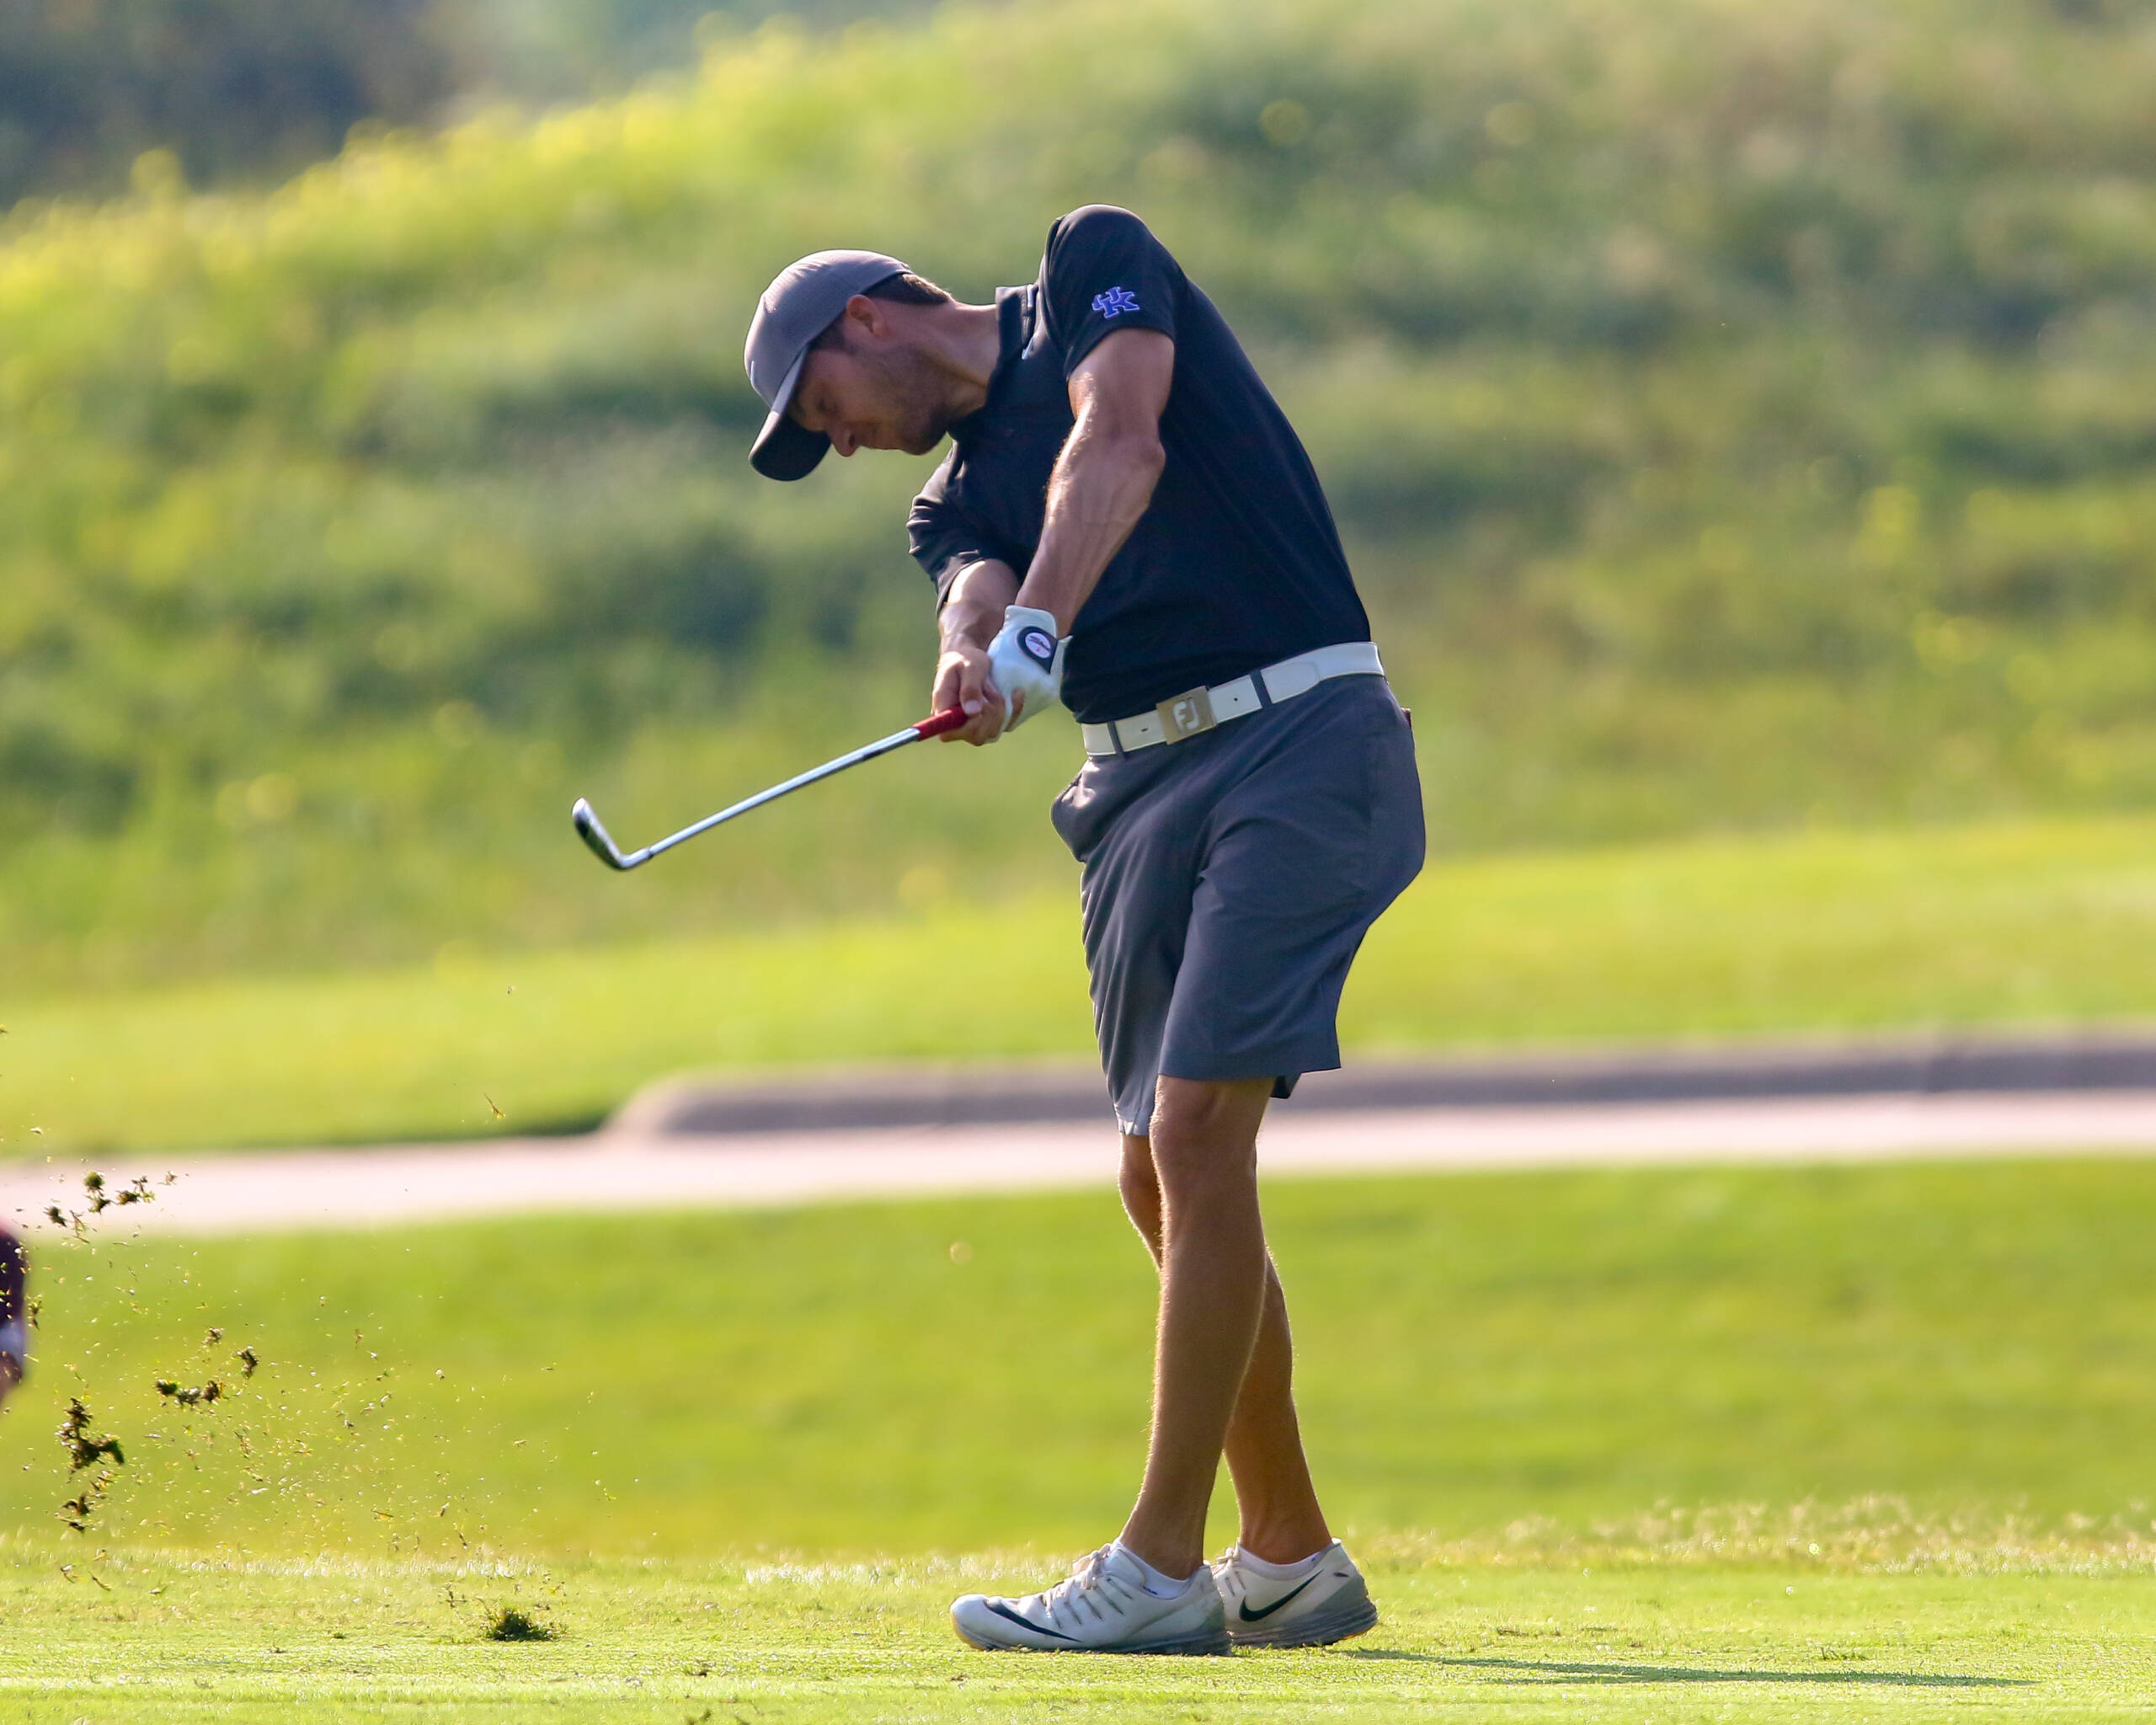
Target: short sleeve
944 539
1104 271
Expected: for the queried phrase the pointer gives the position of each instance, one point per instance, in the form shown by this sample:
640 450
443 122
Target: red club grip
949 720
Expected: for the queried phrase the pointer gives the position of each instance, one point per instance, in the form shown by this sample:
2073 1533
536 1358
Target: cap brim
785 449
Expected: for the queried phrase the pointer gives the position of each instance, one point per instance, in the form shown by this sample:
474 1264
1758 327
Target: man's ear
867 317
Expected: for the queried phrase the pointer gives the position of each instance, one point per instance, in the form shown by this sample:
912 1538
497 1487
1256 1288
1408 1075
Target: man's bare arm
1104 479
972 611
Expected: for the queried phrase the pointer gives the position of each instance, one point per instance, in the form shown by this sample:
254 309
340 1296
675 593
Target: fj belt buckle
1186 715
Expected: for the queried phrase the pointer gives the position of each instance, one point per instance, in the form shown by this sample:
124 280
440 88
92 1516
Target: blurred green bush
219 89
246 92
1736 414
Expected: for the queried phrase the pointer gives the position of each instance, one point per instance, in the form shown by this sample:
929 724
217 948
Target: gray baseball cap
799 305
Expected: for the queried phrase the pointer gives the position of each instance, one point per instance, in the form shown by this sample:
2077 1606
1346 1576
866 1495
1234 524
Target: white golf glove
1025 661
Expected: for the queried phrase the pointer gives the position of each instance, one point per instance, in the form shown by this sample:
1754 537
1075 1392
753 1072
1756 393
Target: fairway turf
2029 923
1534 1356
298 1643
1831 1444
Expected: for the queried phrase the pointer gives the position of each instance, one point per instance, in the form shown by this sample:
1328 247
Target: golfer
1126 520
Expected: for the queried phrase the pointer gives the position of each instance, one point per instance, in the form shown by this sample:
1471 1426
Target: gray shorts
1229 880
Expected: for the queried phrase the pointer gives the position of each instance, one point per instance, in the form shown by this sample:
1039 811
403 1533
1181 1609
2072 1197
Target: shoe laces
1083 1589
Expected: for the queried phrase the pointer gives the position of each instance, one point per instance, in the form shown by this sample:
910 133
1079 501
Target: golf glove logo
1026 662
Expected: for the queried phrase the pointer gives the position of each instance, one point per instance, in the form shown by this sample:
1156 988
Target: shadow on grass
1555 1671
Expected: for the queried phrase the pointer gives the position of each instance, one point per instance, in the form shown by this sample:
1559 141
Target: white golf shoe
1105 1607
1312 1603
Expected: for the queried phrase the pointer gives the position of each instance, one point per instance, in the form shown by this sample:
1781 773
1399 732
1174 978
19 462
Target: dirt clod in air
510 1624
102 1198
84 1451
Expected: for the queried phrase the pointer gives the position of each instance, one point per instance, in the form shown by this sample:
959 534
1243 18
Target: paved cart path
625 1171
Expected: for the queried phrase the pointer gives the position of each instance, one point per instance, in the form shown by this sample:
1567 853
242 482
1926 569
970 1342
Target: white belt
1186 715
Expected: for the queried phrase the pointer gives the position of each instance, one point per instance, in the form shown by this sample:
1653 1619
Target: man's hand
961 680
1026 661
972 615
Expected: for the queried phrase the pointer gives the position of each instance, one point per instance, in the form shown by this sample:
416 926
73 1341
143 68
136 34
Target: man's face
872 390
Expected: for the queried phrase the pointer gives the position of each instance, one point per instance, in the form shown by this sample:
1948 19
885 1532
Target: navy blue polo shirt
1235 564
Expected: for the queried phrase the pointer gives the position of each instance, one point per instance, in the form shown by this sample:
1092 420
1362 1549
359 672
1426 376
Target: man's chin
922 440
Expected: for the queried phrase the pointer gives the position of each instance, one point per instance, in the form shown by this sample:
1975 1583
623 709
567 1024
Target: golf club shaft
934 726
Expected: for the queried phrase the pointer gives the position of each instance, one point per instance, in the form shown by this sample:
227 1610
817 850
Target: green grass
1551 1354
232 1641
1808 1444
1735 414
2046 922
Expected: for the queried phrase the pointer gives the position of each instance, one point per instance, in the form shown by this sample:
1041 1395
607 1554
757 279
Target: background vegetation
218 88
236 92
1739 416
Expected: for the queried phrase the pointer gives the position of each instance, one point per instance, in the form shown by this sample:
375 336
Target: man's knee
1139 1184
1205 1131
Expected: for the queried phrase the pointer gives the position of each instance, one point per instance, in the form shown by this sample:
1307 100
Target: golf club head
596 836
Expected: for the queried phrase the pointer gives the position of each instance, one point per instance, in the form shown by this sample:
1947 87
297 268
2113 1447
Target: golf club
590 830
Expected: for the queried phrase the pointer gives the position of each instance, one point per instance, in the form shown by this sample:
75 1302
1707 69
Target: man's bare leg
1224 1360
1281 1520
1276 1500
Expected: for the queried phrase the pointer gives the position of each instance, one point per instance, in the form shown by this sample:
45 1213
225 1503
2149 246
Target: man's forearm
972 611
1103 480
1004 641
1101 484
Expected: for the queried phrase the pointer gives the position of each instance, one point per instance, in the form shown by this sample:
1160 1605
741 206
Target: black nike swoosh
1003 1610
1249 1616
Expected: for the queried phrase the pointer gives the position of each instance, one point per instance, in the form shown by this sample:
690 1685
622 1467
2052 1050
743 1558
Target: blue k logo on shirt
1115 303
